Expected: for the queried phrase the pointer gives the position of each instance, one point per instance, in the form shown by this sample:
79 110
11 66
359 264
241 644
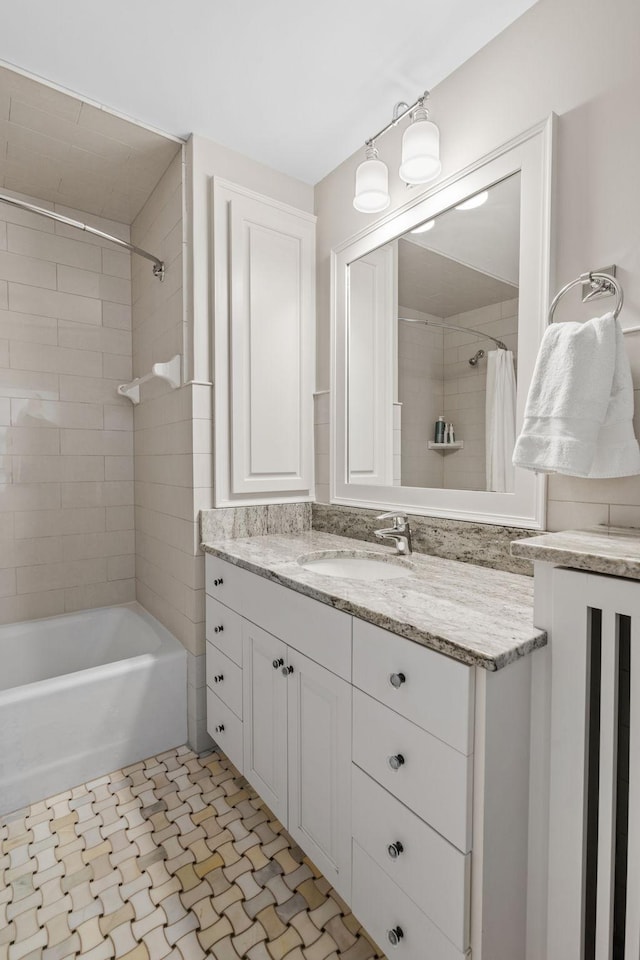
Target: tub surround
478 617
483 544
611 550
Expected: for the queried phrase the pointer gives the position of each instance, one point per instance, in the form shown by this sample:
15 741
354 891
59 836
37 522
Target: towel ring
603 280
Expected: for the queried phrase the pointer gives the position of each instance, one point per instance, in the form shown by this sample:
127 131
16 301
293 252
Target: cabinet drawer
315 629
436 692
224 629
433 779
381 906
230 738
224 677
429 869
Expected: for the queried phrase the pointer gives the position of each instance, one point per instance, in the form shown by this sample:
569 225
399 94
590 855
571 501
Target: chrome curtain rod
158 265
453 326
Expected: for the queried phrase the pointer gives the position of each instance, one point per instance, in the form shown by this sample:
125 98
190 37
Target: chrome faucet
400 532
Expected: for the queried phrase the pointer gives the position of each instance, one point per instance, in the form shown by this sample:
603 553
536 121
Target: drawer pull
218 582
278 663
395 849
286 671
218 629
396 761
397 679
219 677
220 728
395 935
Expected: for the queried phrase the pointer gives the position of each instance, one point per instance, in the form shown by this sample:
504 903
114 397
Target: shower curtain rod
158 265
453 326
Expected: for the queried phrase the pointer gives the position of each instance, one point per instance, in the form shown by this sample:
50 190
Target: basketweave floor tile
173 857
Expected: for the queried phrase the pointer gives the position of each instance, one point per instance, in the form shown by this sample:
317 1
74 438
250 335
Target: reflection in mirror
433 335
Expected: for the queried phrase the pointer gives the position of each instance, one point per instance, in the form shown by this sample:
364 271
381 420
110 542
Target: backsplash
483 544
232 523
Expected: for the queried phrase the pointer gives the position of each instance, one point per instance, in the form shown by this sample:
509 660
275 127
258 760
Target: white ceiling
295 84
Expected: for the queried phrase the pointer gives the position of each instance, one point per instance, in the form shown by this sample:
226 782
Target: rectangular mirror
438 314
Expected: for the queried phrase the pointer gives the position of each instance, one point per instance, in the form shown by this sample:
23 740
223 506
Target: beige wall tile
49 359
57 249
24 326
51 303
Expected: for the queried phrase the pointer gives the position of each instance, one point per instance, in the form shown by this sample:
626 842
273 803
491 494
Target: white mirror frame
529 154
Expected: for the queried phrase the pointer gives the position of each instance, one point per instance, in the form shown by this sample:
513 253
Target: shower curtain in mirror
500 420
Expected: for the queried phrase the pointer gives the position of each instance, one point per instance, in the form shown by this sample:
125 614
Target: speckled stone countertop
481 617
612 550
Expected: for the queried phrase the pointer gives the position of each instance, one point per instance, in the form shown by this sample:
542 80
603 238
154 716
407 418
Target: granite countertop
478 616
612 550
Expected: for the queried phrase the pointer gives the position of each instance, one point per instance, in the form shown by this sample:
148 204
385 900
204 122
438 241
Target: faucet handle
399 518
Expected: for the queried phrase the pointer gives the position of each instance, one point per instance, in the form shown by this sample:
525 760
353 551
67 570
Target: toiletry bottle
450 434
439 436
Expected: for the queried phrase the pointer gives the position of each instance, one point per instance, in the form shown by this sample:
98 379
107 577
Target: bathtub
84 694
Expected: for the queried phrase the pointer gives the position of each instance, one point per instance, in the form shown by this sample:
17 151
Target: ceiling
295 84
434 284
55 148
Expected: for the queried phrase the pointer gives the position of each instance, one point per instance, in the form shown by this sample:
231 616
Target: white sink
357 566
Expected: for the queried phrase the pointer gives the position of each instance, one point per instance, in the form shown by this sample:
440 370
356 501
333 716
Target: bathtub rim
170 649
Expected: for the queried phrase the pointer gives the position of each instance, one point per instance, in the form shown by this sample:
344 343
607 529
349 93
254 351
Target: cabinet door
264 347
320 768
265 716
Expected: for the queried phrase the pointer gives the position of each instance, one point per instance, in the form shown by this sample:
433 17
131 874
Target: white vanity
386 723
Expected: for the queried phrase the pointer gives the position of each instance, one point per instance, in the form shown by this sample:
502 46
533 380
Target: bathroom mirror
438 313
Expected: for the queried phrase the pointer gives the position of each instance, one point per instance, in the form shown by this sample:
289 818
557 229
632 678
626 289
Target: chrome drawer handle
396 761
395 849
220 728
397 679
395 936
218 629
286 671
278 663
219 677
218 582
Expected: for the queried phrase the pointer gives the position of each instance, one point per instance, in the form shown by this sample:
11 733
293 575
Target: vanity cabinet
293 716
402 773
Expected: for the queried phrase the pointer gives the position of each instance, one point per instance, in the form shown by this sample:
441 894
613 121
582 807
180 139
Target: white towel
579 412
500 420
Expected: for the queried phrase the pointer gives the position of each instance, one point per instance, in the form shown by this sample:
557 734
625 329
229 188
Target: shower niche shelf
445 447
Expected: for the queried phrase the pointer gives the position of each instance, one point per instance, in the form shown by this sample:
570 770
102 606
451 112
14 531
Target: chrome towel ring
599 282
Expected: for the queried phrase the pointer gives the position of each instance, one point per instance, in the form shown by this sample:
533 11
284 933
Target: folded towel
579 412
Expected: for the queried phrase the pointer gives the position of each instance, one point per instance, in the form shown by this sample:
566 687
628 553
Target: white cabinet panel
319 708
225 728
264 346
265 716
431 690
224 677
432 778
429 869
223 626
384 910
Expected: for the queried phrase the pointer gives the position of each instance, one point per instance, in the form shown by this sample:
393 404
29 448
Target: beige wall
420 391
66 450
560 56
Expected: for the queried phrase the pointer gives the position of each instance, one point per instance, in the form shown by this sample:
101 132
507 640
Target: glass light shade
372 184
420 150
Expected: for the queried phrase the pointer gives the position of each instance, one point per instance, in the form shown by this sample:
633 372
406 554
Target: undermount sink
356 566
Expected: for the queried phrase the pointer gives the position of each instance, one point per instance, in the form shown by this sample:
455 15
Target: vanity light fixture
473 202
420 158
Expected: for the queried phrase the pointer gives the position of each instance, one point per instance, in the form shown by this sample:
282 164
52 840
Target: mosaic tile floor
176 857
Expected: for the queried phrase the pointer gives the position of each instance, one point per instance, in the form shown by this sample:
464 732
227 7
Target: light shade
372 184
420 150
475 201
424 227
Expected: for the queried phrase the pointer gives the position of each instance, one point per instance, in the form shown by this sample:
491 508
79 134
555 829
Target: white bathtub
84 694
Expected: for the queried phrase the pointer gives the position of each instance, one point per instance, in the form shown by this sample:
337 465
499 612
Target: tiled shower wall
66 441
172 444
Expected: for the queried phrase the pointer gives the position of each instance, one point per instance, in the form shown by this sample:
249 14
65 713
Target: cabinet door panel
265 716
319 767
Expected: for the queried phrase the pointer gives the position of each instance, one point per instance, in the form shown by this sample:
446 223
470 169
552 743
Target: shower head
480 355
